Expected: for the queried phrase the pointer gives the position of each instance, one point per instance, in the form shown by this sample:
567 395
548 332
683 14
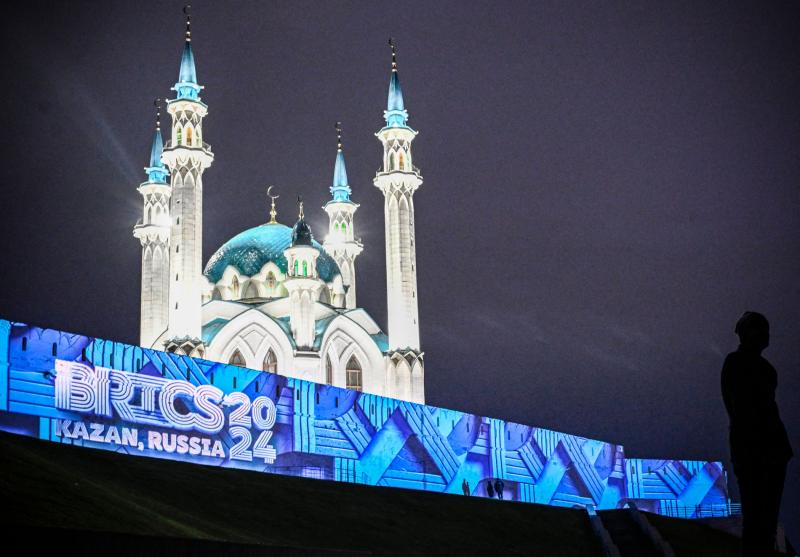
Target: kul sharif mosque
273 298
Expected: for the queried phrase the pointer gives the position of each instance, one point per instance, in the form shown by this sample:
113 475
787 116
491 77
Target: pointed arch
354 374
296 267
178 136
189 139
234 288
402 162
251 291
305 268
328 370
270 362
391 161
237 359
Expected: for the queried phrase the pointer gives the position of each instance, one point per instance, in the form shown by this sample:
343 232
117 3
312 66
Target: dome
301 234
252 249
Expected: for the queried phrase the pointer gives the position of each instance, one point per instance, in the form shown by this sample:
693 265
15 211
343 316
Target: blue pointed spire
187 87
395 113
340 188
156 171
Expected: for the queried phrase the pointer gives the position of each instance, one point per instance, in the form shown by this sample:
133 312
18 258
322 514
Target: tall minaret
398 181
153 233
341 243
187 156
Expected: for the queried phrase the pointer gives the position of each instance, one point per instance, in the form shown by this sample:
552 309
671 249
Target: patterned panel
326 432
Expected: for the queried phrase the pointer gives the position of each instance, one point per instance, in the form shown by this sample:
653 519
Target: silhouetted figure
498 487
760 447
490 489
465 487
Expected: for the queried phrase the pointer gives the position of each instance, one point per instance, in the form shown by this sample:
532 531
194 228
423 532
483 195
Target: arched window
178 136
354 375
271 280
402 162
391 161
252 290
305 268
271 362
235 288
237 359
216 295
296 264
189 137
336 227
328 371
344 228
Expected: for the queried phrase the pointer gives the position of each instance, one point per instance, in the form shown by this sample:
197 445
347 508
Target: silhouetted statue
465 486
760 448
490 488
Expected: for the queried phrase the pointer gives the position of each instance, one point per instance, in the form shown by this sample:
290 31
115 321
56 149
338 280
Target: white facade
272 298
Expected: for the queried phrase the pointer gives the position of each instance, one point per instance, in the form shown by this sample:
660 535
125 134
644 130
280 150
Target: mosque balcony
148 233
199 151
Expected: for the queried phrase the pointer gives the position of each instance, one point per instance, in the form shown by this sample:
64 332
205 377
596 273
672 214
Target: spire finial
300 202
272 212
157 104
339 136
394 54
186 9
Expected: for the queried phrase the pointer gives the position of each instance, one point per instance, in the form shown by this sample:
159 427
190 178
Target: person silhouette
759 445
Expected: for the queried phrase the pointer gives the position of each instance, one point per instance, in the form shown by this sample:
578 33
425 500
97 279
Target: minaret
341 243
153 232
187 156
398 181
302 282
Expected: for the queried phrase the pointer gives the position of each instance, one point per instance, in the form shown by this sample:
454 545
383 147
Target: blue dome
252 249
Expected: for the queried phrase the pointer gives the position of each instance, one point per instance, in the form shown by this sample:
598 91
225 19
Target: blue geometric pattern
250 250
328 432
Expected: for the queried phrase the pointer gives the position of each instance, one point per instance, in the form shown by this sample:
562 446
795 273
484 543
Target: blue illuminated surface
157 172
340 188
252 249
96 393
187 87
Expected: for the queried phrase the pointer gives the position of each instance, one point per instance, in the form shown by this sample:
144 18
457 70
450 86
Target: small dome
301 234
250 250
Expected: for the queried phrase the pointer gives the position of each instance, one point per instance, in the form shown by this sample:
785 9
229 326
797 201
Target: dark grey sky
607 187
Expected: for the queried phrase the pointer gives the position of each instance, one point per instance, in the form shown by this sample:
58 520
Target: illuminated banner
92 392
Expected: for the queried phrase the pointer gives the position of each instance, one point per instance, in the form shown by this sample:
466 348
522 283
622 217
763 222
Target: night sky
606 187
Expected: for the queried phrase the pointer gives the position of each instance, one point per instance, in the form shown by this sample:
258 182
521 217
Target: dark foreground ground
92 501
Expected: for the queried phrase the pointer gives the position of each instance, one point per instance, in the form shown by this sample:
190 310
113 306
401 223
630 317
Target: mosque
273 298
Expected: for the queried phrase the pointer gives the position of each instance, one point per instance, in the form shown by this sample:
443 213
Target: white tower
187 156
302 282
398 181
340 242
153 233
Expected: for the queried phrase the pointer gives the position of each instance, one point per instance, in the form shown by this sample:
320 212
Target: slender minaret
302 282
187 156
398 181
340 242
153 233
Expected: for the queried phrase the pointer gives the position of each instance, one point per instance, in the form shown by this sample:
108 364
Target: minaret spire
395 113
340 188
156 171
186 86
